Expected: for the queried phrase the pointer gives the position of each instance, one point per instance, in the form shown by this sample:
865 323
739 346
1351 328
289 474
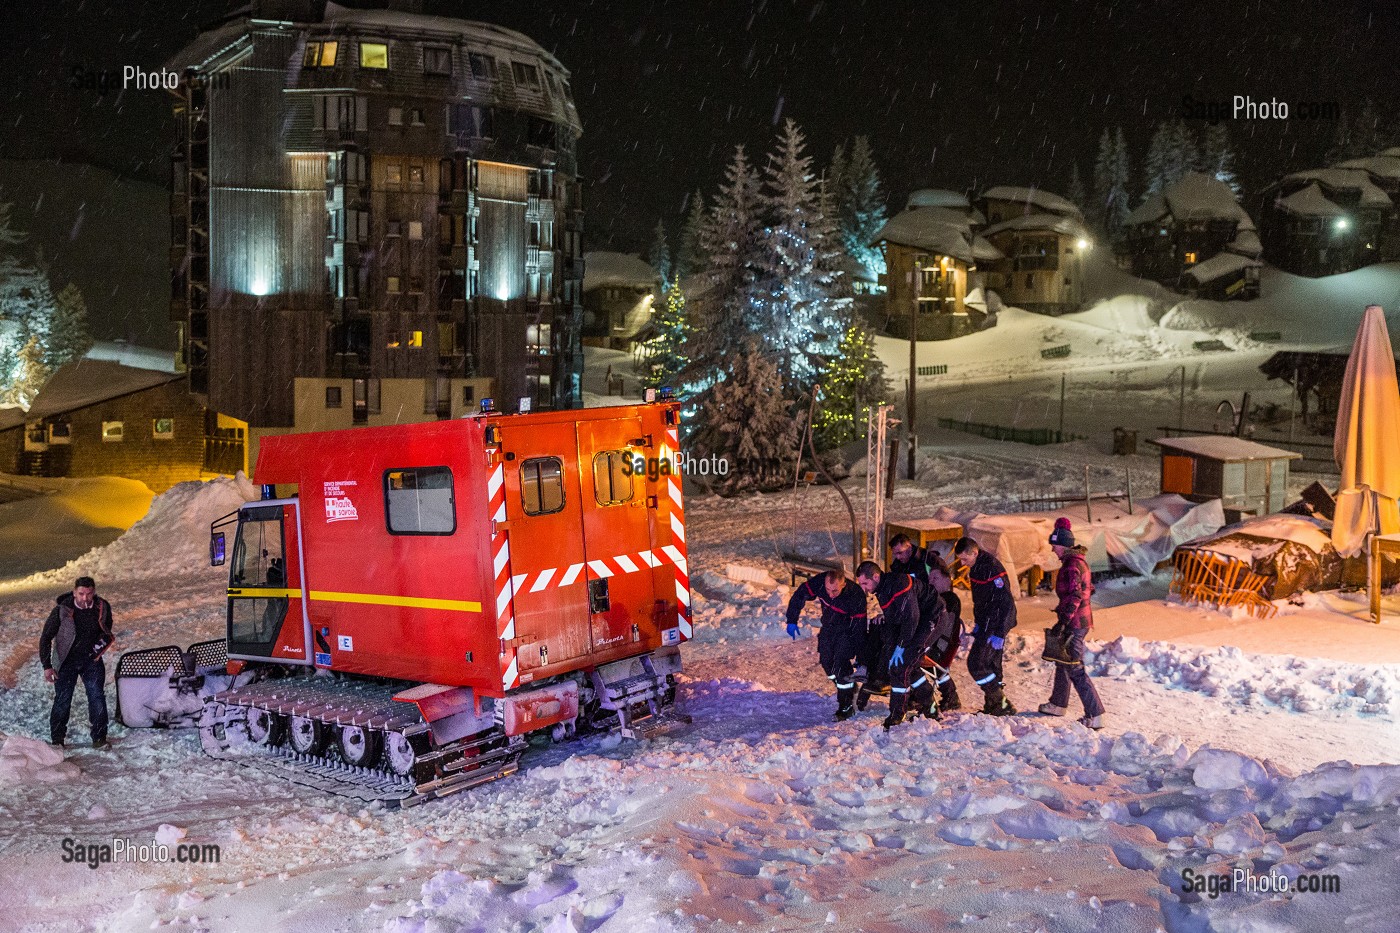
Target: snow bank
1297 684
173 537
24 761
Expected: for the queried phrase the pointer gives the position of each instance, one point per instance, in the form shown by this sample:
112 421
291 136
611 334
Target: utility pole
910 401
1060 435
1181 403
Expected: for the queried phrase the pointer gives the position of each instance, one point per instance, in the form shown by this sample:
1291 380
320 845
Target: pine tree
852 381
1218 156
860 203
29 377
1075 192
747 419
690 260
800 304
667 358
1103 182
1171 155
659 256
726 317
69 338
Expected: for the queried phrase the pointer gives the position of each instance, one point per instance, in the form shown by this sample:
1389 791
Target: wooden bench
809 566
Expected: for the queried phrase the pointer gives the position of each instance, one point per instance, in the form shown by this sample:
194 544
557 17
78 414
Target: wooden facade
1332 220
1042 268
100 419
1184 225
374 194
929 253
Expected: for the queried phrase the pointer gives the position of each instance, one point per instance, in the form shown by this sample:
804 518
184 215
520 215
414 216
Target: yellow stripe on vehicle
371 599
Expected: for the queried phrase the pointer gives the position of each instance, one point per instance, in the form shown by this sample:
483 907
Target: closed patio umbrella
1367 440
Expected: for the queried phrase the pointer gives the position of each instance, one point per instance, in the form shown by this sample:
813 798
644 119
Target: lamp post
910 400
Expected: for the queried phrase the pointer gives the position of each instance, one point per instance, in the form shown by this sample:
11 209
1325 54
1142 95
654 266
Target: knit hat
1062 535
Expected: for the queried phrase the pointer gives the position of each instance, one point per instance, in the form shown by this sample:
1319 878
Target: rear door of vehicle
616 529
266 618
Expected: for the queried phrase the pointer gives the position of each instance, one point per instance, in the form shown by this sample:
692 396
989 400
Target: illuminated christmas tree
667 358
852 381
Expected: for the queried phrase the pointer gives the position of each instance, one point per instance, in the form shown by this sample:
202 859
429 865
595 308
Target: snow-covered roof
1247 243
1309 202
938 230
1393 151
983 250
853 269
82 383
1033 197
602 268
1228 449
1381 165
1344 179
938 197
1194 197
1048 223
1219 266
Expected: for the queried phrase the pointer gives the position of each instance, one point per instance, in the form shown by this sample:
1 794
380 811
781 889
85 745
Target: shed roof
1219 266
1033 197
1345 179
940 231
1225 449
1049 223
1310 202
83 383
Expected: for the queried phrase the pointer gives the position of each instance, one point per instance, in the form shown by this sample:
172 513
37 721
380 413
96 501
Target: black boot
997 704
897 705
922 699
862 698
948 694
845 704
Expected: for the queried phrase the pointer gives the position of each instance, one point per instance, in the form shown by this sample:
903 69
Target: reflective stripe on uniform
849 686
918 683
945 678
985 680
899 690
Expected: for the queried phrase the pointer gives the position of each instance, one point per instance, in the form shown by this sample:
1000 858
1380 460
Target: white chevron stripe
675 491
677 528
650 558
571 574
543 580
600 568
676 556
509 677
509 633
625 562
682 593
517 581
493 485
502 558
502 602
500 514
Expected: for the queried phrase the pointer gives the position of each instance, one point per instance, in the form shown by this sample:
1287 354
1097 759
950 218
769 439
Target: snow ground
765 815
1218 751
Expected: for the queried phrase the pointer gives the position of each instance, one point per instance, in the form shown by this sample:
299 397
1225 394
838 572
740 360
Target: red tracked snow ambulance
433 593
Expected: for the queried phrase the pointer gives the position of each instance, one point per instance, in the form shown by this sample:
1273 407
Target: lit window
415 229
393 288
328 52
395 116
437 61
415 338
111 430
374 55
415 175
163 429
393 173
320 54
1190 258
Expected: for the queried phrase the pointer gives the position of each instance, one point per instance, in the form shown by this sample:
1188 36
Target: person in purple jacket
1073 586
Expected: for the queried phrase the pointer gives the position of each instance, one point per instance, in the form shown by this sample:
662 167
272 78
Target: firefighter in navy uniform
927 566
842 636
912 611
993 617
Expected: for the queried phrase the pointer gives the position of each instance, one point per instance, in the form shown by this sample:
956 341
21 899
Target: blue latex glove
793 630
897 656
996 643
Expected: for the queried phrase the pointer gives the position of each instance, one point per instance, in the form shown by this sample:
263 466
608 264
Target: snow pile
172 538
1297 684
24 761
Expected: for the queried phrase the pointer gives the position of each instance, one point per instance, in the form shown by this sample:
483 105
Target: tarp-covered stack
1291 552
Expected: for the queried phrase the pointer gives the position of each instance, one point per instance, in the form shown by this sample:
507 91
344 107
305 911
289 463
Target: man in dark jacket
842 636
927 566
76 633
911 612
993 618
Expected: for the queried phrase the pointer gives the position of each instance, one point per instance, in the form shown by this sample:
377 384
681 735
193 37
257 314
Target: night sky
952 94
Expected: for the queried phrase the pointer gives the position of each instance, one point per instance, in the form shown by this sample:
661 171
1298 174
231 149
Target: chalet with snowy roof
929 253
1006 202
100 418
948 200
1174 234
619 294
368 194
1042 263
1330 220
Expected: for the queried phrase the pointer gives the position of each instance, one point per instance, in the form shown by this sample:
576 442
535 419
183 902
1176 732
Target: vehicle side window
419 501
542 485
612 477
